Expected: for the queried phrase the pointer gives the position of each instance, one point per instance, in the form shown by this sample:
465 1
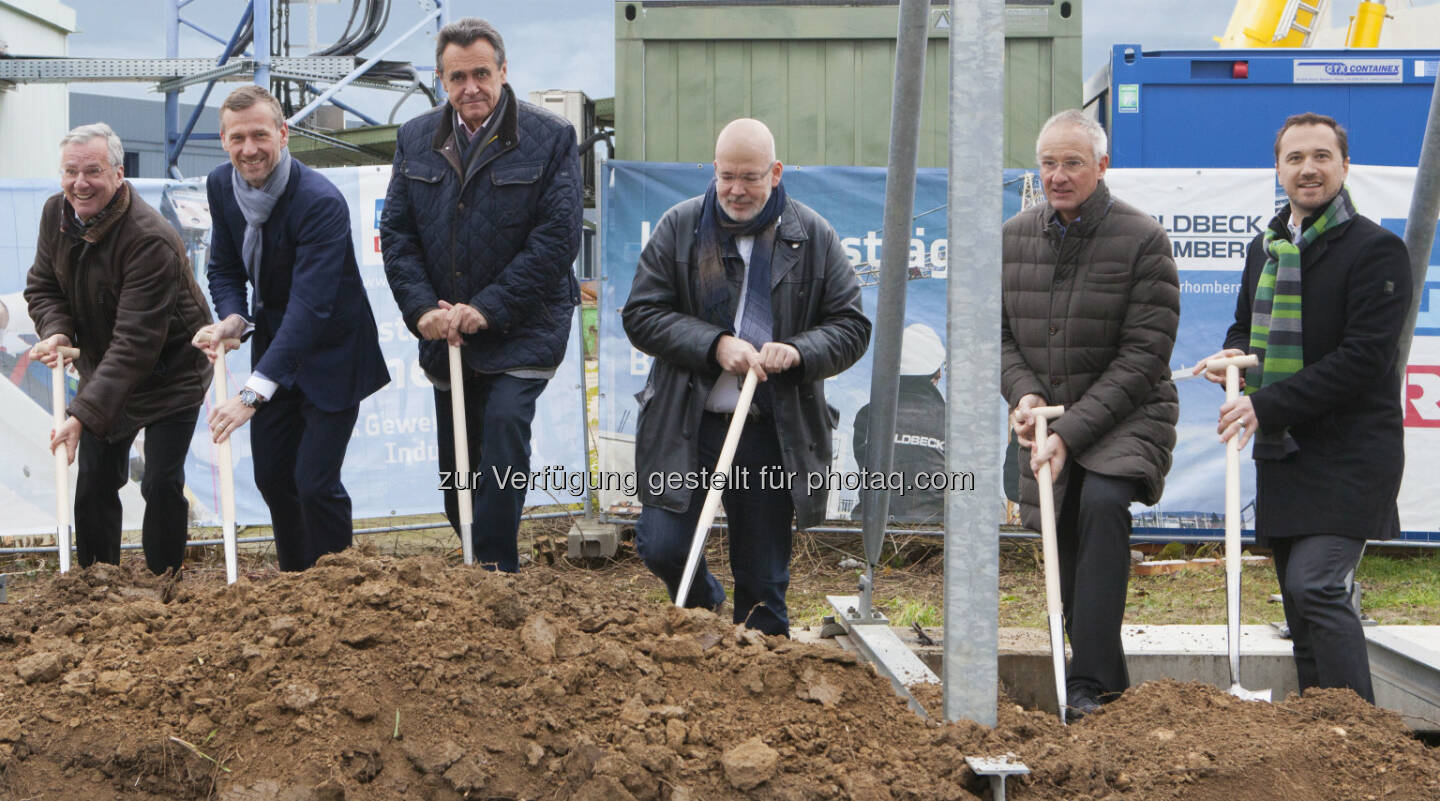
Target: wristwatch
248 397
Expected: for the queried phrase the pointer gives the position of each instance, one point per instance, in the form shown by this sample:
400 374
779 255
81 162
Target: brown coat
1089 321
127 299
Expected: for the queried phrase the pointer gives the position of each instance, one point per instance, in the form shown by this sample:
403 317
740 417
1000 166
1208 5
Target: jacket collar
507 133
102 223
1092 212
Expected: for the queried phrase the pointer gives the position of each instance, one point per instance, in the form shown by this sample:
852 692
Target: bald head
746 139
746 170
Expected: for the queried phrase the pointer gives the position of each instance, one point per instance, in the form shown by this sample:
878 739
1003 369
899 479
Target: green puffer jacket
1089 321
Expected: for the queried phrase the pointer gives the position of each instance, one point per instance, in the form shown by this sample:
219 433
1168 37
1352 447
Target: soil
375 677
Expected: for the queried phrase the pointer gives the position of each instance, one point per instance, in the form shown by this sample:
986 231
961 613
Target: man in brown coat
1091 305
111 278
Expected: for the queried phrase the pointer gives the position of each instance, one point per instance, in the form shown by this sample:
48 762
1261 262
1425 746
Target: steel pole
973 428
172 99
262 43
1420 227
894 270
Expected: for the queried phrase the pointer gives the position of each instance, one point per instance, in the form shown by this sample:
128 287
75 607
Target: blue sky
565 43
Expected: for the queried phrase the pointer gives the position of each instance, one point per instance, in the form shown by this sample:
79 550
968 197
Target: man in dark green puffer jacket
1091 306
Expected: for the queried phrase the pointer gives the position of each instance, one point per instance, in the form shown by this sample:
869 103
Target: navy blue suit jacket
315 332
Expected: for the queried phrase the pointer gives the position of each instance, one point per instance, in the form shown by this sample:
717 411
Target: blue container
1221 108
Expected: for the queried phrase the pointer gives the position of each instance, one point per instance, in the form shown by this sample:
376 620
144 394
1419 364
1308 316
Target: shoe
1081 703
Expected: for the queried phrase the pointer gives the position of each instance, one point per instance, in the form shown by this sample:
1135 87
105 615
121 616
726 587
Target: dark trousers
498 411
1093 535
1329 641
759 521
104 467
298 451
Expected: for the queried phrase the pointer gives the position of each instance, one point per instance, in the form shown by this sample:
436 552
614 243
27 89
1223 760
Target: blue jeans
498 412
759 520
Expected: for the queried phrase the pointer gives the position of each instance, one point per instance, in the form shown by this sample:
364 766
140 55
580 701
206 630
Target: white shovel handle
62 465
1050 552
227 477
462 454
712 497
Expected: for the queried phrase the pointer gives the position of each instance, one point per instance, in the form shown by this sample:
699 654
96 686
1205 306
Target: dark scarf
471 148
1277 333
94 229
716 229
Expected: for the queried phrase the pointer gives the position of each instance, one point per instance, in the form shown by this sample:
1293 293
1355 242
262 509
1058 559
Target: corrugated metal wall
820 75
32 116
140 124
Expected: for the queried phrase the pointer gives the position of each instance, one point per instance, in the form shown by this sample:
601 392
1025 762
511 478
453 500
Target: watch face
249 398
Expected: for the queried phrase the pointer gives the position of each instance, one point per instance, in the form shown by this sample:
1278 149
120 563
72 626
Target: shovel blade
1249 695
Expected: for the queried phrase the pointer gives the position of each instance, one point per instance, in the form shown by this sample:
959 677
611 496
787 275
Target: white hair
1075 118
81 134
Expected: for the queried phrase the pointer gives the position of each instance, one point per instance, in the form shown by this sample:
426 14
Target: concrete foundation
1404 662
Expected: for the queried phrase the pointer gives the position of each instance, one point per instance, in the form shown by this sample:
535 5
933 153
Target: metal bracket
219 73
878 644
997 768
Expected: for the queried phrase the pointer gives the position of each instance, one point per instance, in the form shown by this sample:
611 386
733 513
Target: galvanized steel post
894 271
1420 227
973 428
262 43
172 99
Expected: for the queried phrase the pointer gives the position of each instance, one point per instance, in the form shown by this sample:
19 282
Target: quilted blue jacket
500 235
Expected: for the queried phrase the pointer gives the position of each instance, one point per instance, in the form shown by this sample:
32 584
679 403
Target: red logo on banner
1422 396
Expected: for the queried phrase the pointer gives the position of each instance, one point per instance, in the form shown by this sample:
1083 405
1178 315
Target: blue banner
1210 216
391 463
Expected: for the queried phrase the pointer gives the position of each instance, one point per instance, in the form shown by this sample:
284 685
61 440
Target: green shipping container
820 73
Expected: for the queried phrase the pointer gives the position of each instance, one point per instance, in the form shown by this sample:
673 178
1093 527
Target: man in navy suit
285 229
482 221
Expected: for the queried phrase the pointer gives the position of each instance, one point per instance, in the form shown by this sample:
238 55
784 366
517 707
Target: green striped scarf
1276 321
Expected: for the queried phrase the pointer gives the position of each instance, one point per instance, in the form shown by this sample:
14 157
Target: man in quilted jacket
1091 305
482 221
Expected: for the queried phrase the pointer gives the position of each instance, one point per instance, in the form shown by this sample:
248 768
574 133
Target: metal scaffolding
172 74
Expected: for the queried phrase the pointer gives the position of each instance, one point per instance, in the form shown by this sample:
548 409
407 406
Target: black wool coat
1343 408
815 300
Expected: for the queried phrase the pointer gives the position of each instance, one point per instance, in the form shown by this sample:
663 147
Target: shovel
62 465
227 469
227 465
462 455
717 487
1050 552
1231 365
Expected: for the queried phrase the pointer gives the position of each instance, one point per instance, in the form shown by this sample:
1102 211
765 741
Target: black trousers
104 467
498 412
1092 530
298 451
759 520
1329 642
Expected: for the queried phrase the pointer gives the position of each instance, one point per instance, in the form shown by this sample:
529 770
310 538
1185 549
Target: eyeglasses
1068 165
747 178
91 173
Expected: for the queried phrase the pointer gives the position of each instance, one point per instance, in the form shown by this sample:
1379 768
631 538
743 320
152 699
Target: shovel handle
462 454
227 478
712 497
62 465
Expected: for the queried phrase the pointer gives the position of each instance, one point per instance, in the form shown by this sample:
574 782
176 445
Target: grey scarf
256 204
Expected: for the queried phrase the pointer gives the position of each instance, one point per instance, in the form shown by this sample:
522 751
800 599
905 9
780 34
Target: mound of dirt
379 678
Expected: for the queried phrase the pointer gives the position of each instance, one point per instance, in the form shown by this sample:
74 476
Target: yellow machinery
1292 23
1364 30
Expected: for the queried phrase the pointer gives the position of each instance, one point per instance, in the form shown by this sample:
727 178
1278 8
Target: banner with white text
1210 216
